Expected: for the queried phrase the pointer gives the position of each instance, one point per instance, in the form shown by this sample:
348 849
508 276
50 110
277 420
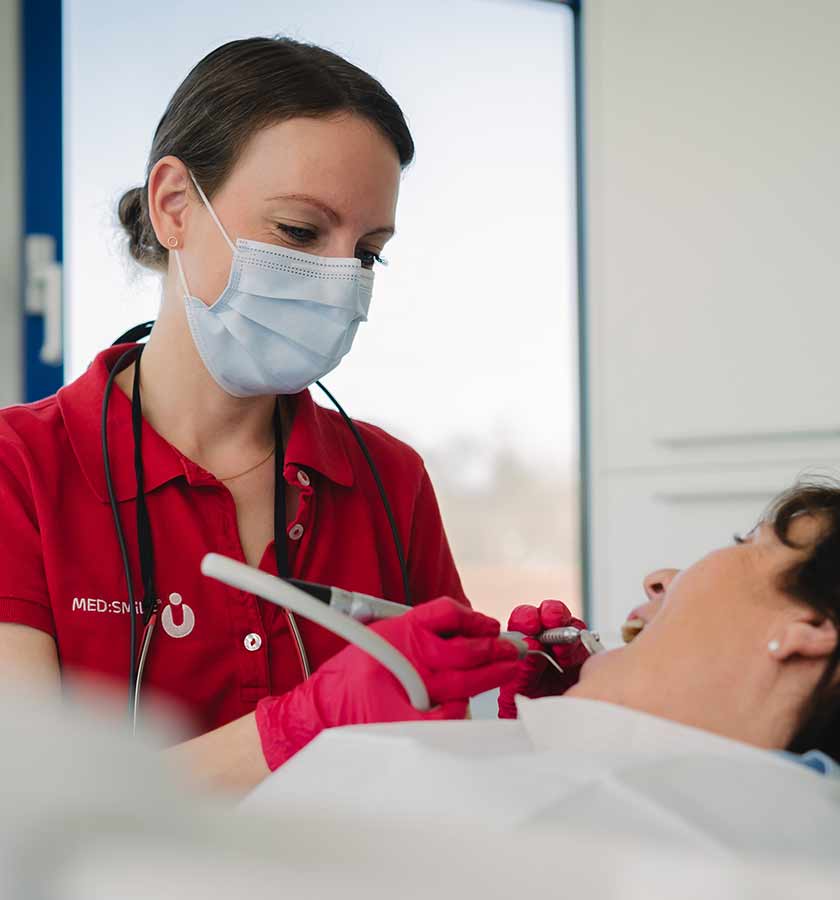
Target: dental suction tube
253 581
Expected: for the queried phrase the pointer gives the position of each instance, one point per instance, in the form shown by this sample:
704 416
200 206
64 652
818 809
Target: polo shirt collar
316 440
80 403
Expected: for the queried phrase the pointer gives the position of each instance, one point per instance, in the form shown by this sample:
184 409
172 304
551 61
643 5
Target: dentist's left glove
534 676
457 653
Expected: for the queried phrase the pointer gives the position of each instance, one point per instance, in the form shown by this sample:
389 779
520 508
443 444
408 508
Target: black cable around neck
144 526
121 363
383 495
281 548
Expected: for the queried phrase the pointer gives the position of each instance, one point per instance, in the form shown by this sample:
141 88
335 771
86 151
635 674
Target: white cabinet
713 271
714 251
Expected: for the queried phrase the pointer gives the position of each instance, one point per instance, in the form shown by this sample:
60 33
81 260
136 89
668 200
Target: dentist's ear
808 638
168 201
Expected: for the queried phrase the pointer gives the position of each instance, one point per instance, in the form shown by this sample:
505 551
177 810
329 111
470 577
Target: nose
656 583
656 587
340 242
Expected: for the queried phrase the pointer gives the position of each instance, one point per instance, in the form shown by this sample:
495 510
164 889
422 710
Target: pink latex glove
456 652
534 676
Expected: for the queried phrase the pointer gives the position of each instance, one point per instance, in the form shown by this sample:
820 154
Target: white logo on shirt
98 605
168 621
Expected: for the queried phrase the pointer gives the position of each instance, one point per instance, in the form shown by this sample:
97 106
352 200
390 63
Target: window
470 353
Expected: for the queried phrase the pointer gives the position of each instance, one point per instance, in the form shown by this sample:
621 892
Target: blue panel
42 163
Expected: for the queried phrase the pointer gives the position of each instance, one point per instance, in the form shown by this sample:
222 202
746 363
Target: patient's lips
638 618
632 628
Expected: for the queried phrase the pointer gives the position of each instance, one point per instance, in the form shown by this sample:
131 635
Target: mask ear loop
212 213
181 274
219 225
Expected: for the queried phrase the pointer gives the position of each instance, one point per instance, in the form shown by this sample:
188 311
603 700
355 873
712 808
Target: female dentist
271 191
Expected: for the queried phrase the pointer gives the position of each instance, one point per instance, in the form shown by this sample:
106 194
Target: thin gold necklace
263 461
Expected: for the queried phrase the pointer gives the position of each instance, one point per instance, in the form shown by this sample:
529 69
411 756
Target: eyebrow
747 538
328 211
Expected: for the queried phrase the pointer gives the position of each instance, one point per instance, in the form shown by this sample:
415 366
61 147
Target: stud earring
773 647
172 241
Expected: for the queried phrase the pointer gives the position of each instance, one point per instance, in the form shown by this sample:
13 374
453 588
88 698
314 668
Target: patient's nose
656 584
656 587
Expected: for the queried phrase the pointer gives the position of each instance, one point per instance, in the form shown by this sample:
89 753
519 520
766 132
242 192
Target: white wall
712 137
10 211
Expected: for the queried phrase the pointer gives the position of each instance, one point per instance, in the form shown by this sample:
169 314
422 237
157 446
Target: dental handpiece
361 607
566 635
554 637
366 609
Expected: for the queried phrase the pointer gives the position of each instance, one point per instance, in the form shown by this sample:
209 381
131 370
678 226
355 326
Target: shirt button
296 532
252 641
303 478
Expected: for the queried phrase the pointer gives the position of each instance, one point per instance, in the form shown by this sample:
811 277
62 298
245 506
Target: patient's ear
808 637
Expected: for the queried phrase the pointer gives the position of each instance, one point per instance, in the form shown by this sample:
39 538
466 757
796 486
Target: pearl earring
172 241
774 646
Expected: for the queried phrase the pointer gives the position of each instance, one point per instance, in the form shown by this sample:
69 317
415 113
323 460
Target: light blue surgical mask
284 320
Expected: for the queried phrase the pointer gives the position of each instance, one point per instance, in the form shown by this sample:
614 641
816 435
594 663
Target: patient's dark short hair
815 581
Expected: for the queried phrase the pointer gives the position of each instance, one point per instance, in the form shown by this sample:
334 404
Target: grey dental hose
275 590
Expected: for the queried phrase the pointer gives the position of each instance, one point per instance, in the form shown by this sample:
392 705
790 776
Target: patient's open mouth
631 629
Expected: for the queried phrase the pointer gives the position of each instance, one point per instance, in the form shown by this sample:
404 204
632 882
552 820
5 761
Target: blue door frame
43 206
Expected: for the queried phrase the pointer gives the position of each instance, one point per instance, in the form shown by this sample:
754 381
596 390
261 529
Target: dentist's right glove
457 653
534 676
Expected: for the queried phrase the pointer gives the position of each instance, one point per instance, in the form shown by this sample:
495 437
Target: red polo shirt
61 571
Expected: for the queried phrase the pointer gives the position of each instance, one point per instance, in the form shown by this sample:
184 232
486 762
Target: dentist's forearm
229 759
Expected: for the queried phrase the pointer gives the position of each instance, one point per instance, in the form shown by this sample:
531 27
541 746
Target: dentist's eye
368 258
297 234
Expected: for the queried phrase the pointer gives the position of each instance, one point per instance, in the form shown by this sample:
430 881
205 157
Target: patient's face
742 578
726 649
735 588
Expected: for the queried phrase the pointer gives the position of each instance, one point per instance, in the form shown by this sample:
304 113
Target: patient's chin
596 662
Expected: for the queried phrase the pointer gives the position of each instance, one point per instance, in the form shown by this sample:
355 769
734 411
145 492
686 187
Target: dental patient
675 737
744 643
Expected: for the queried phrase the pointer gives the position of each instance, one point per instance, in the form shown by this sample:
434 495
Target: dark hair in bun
235 91
134 218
